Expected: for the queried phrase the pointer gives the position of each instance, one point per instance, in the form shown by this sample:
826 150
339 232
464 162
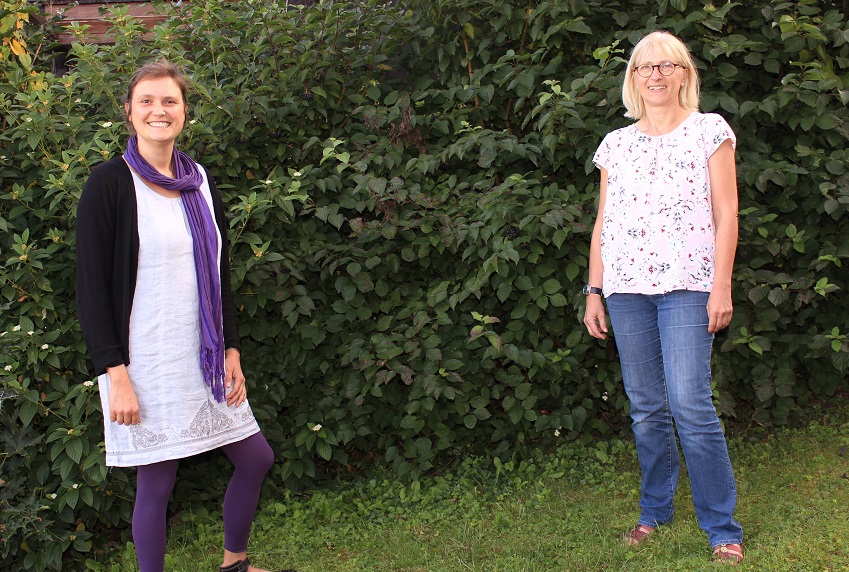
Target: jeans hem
715 544
653 523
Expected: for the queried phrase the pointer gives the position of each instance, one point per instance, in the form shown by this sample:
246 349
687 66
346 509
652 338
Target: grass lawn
564 511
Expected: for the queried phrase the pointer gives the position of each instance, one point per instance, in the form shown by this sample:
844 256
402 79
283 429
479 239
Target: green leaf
504 291
523 390
551 286
324 451
726 69
74 449
27 412
765 392
778 296
558 300
524 283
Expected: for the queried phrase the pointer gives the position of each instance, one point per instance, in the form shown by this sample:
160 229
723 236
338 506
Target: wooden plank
89 15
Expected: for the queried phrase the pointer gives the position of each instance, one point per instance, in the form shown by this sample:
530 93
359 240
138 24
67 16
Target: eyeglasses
665 68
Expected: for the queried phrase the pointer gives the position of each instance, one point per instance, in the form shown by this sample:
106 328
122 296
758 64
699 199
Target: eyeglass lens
665 68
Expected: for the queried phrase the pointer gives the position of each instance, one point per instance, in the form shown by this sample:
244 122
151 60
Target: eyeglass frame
659 69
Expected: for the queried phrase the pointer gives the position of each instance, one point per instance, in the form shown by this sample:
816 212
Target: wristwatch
590 290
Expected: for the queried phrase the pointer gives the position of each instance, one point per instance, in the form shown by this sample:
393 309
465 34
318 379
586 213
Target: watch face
586 289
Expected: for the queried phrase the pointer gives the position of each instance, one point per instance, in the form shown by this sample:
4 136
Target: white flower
88 383
604 396
317 427
78 100
193 121
31 332
16 329
8 368
107 124
268 182
75 486
29 119
44 346
557 432
67 125
52 496
296 174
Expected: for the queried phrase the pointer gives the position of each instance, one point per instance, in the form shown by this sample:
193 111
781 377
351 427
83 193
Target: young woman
157 315
662 253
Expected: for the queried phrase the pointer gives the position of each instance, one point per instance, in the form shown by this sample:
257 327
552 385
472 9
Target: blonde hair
674 49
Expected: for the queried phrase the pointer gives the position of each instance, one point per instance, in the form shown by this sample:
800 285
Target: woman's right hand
594 317
123 403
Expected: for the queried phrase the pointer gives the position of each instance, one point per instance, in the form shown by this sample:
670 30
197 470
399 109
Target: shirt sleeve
716 131
601 159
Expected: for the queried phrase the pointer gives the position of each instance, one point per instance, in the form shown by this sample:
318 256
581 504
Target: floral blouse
657 227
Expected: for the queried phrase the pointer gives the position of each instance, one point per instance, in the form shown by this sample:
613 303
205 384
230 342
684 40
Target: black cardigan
108 259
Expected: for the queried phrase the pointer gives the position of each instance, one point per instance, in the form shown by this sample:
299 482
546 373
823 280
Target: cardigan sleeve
228 306
99 305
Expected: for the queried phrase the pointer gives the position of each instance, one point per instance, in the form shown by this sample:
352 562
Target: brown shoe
728 554
638 534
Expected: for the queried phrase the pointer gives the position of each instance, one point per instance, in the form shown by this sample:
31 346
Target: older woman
156 311
662 254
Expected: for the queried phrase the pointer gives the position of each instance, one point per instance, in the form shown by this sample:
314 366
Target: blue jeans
665 348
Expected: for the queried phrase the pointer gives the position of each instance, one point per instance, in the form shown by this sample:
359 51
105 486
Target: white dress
179 415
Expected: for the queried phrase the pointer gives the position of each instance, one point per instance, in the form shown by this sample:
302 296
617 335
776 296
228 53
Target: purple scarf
205 242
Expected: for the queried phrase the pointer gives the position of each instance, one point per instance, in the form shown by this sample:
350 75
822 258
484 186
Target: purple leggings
252 458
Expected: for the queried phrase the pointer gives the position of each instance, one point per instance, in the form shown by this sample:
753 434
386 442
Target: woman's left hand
234 379
719 309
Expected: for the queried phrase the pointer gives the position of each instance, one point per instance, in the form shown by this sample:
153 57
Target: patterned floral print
208 421
144 438
657 230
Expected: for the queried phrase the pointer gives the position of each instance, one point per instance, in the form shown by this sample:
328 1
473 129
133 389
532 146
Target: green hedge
411 192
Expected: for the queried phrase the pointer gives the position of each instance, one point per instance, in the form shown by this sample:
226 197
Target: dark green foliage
411 192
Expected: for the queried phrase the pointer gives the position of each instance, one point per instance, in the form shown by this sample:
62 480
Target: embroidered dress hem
118 459
213 425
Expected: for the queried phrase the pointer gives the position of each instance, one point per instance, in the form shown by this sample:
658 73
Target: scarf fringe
212 365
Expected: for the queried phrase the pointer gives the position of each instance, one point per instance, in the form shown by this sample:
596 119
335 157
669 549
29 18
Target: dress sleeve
716 131
96 239
228 306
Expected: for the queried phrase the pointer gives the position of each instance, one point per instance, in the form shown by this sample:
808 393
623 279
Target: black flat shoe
242 566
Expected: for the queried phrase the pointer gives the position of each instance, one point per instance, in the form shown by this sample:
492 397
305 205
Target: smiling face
156 110
659 90
681 86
